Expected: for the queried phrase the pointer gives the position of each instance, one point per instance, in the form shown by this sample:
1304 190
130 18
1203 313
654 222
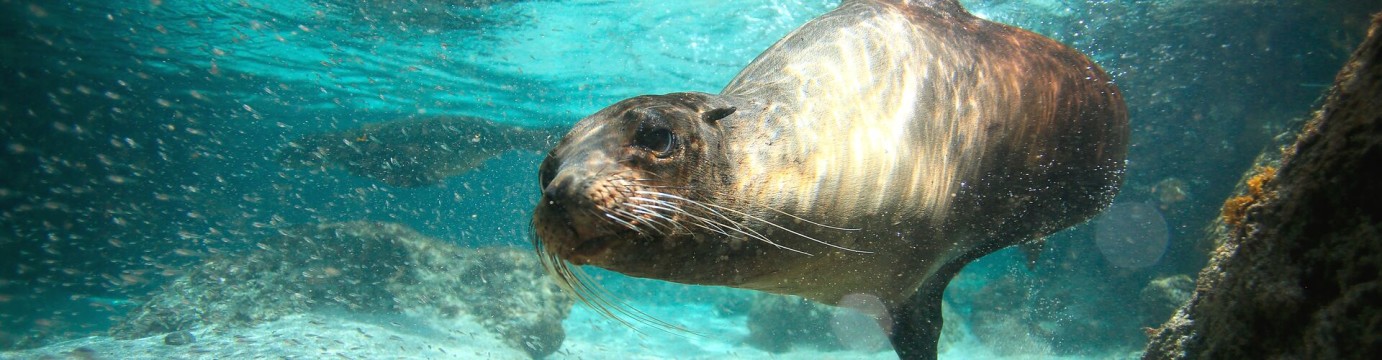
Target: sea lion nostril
557 190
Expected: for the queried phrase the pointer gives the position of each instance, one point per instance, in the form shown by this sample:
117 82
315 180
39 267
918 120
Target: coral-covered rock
1161 297
1299 274
368 268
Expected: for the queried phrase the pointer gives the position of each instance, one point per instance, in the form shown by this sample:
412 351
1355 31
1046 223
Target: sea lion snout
569 217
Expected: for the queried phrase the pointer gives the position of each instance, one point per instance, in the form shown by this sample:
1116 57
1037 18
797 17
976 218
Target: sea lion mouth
587 250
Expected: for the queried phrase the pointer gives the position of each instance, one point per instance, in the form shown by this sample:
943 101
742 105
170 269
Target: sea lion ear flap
714 115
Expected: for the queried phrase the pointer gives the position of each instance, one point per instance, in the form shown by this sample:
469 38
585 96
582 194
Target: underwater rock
779 323
505 288
364 268
1162 296
783 323
178 338
415 152
1022 315
1299 275
1004 321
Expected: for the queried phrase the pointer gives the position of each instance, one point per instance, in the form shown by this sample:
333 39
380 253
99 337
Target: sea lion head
618 189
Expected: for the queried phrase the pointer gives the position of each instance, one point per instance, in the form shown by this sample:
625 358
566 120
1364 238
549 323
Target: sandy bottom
592 336
355 336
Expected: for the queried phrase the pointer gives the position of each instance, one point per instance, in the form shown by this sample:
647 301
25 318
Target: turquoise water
140 138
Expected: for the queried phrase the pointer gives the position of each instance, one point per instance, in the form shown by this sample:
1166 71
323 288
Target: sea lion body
876 150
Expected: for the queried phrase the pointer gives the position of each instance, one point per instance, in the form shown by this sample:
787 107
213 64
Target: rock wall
1299 272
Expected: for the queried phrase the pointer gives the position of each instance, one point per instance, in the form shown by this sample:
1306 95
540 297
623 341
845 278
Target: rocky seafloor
367 290
361 288
382 290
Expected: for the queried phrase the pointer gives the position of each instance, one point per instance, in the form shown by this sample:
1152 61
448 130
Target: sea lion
873 152
415 152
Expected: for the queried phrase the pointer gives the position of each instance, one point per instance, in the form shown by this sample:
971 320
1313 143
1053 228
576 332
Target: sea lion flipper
916 327
917 322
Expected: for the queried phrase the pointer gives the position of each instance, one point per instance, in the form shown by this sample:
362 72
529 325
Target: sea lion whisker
575 285
589 292
615 216
612 305
765 221
812 222
666 205
657 204
628 221
715 228
672 208
651 223
655 217
818 241
597 298
628 224
673 187
701 221
798 218
754 234
660 204
655 201
737 227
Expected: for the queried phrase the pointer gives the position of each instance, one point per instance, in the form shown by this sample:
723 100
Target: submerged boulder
779 323
363 268
1299 271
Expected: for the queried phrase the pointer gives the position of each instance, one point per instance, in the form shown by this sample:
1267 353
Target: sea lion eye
658 139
